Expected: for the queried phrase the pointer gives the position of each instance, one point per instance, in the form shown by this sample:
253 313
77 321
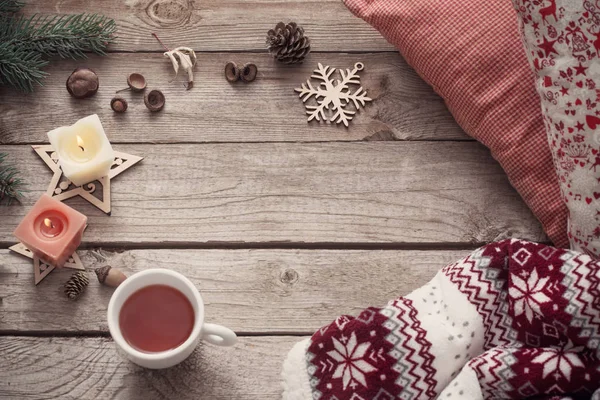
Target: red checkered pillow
470 53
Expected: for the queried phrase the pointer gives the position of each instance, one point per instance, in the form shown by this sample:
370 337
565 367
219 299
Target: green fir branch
11 185
10 6
21 68
68 36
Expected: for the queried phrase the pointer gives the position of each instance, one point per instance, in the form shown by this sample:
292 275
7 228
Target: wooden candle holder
41 269
62 189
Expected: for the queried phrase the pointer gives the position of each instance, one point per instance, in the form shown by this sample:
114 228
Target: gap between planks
102 334
215 142
249 51
189 142
124 246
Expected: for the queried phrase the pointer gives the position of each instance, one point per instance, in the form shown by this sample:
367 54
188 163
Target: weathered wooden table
283 225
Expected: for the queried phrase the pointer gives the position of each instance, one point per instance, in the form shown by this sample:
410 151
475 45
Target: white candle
84 152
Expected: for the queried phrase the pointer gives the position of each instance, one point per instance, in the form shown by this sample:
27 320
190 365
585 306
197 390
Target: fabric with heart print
562 42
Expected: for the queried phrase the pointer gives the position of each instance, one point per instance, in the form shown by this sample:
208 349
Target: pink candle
51 230
52 224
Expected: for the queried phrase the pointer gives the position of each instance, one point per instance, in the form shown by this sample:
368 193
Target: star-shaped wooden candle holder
41 269
62 189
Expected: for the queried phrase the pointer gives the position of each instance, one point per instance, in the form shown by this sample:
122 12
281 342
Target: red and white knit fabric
471 54
513 320
562 39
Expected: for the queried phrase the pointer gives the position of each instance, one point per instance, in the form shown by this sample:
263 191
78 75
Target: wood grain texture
218 25
92 368
250 291
377 192
404 107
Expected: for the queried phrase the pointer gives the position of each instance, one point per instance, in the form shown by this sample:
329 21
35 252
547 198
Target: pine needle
20 68
11 186
10 6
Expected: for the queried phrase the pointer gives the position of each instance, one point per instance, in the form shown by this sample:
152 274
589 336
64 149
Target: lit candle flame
80 143
48 223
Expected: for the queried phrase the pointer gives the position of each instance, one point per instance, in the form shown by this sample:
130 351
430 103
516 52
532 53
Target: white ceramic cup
215 334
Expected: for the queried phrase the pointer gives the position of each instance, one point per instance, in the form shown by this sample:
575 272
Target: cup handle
218 335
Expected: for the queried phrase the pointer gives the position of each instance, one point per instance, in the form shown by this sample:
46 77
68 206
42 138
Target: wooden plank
224 25
91 368
250 291
404 107
377 192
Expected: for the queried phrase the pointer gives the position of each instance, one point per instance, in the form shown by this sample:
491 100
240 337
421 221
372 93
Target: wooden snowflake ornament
333 95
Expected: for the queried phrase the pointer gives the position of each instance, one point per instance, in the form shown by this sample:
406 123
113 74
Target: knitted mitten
512 320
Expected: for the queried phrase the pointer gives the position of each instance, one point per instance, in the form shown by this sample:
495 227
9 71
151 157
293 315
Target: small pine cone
287 43
76 284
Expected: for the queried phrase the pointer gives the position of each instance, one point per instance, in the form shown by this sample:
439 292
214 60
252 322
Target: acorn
82 83
232 72
136 83
248 72
154 100
118 104
110 276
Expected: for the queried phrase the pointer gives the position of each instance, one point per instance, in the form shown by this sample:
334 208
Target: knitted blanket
512 320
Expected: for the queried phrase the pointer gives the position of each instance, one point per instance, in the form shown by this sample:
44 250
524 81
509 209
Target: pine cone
287 43
76 284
